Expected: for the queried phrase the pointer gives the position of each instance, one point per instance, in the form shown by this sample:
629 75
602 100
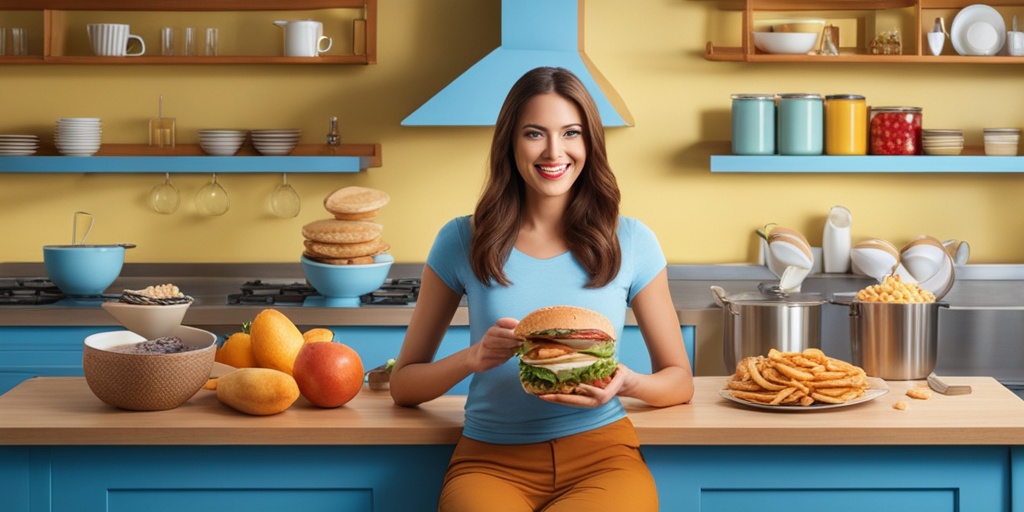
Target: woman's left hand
593 396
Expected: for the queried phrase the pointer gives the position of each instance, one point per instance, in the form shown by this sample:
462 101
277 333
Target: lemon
275 340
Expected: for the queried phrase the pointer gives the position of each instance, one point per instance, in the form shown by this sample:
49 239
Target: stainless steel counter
980 333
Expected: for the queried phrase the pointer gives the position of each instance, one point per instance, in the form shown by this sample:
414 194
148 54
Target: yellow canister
846 125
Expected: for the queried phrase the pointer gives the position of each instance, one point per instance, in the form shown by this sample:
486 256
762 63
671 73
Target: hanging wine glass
284 200
165 197
212 199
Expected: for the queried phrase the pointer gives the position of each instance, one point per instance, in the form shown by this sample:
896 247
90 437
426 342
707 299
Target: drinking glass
3 41
167 41
285 201
19 41
165 197
191 45
210 48
212 199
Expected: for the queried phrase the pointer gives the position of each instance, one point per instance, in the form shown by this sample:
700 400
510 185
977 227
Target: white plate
877 387
981 23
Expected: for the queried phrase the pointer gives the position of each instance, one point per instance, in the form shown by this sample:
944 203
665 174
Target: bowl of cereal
126 370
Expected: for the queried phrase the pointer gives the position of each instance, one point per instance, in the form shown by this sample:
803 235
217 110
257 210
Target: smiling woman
546 231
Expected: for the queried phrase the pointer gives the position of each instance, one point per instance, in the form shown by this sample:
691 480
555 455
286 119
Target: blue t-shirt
497 409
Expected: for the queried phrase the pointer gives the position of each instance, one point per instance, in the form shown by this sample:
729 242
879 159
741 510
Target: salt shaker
937 37
333 139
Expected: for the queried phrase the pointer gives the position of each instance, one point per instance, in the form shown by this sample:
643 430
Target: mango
275 340
257 391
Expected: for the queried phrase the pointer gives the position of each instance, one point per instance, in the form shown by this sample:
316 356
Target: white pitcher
304 38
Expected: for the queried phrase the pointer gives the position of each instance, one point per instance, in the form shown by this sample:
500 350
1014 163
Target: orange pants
597 470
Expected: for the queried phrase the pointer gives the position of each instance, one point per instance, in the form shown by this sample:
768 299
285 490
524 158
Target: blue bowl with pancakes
342 285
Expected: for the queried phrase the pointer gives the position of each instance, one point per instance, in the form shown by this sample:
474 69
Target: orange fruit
318 334
237 351
275 340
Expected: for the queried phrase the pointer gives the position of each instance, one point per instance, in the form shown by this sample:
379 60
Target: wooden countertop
63 411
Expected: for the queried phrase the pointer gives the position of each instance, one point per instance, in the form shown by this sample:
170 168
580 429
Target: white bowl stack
942 142
222 142
78 136
1001 141
275 142
18 145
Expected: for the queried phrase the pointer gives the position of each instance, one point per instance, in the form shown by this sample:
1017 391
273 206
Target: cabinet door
27 352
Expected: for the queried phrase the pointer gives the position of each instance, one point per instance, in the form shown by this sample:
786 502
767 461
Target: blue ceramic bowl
341 285
80 270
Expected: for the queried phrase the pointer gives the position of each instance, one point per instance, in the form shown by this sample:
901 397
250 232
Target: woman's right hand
496 346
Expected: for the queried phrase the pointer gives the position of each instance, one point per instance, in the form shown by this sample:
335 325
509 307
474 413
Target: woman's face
550 149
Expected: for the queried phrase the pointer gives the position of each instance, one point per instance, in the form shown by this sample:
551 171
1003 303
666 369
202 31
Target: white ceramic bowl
148 320
872 262
785 42
923 257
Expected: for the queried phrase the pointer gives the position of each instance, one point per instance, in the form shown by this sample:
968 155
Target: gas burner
394 292
28 290
261 292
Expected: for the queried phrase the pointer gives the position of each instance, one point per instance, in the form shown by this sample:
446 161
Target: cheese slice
574 358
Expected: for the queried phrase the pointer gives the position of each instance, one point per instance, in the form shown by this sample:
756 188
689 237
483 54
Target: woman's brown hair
591 218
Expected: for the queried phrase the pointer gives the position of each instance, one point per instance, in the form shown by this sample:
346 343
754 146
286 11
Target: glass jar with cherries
895 130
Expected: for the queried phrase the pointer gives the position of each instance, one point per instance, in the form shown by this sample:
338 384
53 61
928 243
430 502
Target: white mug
111 40
1015 43
304 38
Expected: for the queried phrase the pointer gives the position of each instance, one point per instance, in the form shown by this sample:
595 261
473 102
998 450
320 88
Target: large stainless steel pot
756 322
895 341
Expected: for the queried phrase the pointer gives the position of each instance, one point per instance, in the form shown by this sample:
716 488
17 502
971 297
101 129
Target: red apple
329 374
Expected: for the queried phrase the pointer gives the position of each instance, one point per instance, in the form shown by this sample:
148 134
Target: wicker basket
147 382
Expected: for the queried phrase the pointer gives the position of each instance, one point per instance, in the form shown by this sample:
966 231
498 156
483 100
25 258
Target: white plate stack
18 145
222 142
1001 141
275 142
78 136
942 142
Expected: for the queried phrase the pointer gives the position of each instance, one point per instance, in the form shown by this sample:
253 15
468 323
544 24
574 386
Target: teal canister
800 124
753 124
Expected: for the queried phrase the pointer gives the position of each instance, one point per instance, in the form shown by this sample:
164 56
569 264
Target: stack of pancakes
351 237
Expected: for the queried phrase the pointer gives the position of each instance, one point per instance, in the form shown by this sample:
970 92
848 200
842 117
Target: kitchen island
61 449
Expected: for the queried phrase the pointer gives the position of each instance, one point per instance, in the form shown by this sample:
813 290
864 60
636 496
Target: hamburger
563 347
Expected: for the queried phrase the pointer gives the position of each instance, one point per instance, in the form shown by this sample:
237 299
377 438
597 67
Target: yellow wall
651 50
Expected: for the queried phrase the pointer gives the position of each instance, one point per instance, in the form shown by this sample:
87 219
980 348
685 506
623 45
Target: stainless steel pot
895 341
755 322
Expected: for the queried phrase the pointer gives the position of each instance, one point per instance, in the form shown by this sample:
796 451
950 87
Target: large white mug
111 40
304 38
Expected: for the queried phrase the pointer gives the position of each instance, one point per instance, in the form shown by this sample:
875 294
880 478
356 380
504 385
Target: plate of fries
800 381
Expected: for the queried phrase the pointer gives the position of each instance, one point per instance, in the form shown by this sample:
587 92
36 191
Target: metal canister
846 125
800 126
753 124
895 130
754 323
895 341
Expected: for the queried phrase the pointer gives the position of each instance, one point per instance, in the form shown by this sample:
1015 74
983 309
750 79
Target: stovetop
28 290
394 292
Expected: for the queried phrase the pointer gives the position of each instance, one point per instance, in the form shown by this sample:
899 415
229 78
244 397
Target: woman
546 231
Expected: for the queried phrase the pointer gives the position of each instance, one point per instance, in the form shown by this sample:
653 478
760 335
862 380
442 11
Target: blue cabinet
386 478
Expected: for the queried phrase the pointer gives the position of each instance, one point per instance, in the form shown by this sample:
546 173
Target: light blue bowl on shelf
83 270
342 285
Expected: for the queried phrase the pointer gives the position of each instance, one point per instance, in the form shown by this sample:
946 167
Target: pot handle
719 294
74 228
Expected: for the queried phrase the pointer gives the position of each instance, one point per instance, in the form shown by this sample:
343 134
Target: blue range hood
533 33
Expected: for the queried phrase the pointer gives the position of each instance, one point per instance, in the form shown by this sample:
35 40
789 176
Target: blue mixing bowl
80 270
341 285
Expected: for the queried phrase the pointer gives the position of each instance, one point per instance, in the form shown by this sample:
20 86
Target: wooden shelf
54 29
914 48
190 158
